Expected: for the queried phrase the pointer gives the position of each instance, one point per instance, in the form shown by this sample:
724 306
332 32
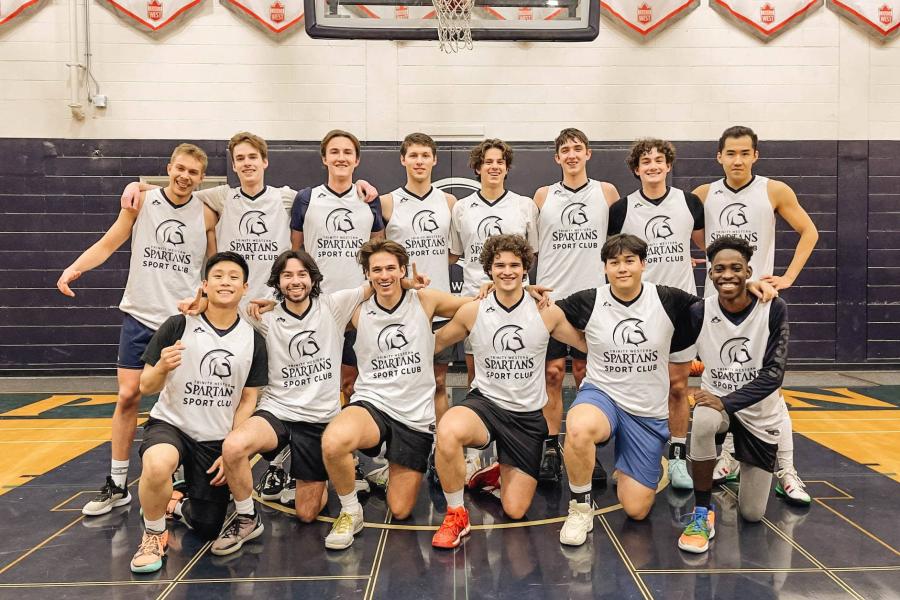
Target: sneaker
453 529
345 527
173 508
432 470
727 469
360 483
578 524
109 497
379 477
486 479
551 465
473 464
272 483
151 552
289 493
678 474
242 529
701 529
791 487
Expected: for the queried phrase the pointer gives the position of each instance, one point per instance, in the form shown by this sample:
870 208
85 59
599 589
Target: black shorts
305 440
196 458
348 355
556 349
405 446
446 355
748 448
519 435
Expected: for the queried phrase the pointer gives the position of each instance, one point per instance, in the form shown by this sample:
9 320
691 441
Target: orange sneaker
151 553
699 531
452 530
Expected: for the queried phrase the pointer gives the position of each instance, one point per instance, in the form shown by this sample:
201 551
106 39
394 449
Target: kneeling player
743 344
207 369
509 337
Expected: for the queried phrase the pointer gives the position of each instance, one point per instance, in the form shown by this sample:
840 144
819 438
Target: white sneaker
791 487
379 477
109 497
345 527
288 494
578 524
727 468
473 464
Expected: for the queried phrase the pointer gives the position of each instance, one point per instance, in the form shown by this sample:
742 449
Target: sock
581 493
703 498
786 444
473 453
350 503
244 507
454 499
728 444
155 526
119 472
677 448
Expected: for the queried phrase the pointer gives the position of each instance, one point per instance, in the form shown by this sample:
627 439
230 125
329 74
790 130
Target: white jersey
257 228
395 357
572 227
201 396
334 229
168 247
746 213
733 356
305 357
510 349
666 226
422 226
475 219
628 351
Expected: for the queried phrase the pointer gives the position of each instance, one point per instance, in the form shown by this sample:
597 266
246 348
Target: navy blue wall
58 196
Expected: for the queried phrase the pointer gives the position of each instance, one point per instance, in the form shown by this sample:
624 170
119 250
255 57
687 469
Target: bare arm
561 330
457 329
210 218
609 192
387 207
296 240
786 204
443 304
153 378
133 193
246 406
102 249
701 191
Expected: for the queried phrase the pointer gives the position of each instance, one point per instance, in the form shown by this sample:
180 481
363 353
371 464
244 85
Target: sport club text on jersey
422 226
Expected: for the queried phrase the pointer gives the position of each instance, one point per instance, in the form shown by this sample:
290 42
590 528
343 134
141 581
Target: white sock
119 472
473 453
156 526
786 443
678 440
350 503
244 507
728 444
454 499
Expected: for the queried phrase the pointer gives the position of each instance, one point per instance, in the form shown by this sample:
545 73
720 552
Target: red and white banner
880 18
645 18
151 15
765 19
272 16
10 9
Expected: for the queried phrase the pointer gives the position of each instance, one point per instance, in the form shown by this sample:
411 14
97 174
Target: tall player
668 219
744 205
171 234
572 226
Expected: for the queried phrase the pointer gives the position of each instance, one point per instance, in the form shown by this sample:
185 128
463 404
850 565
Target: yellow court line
376 561
725 571
190 564
847 495
80 583
273 579
39 546
858 527
642 587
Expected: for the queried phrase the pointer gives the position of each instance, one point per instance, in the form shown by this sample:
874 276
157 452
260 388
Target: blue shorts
133 341
639 441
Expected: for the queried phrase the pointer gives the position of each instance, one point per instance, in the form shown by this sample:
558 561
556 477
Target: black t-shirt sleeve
617 216
687 327
168 333
298 210
696 207
378 222
259 368
677 304
771 375
578 307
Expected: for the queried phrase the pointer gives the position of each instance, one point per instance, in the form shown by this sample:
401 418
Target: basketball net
454 24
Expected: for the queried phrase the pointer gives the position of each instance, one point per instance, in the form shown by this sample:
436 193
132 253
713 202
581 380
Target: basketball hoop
454 24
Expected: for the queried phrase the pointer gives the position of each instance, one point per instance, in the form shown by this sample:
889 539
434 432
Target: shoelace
152 543
454 520
344 523
697 525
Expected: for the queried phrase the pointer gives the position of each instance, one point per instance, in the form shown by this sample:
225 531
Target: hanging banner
10 9
879 18
766 19
272 16
150 15
645 18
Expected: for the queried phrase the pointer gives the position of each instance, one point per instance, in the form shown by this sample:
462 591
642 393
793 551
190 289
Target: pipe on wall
73 64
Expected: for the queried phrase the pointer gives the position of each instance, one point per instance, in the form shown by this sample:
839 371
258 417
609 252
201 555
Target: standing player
572 226
207 369
393 399
668 219
509 335
743 344
171 234
744 205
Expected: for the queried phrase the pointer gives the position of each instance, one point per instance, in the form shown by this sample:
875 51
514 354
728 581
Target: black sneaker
432 470
551 465
271 483
109 497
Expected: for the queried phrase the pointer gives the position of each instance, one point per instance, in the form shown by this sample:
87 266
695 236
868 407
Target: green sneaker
699 531
791 487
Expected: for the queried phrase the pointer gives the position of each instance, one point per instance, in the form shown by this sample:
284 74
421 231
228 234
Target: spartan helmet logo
252 223
170 233
338 221
735 352
216 364
574 215
392 338
423 222
658 228
302 345
733 215
629 331
508 339
489 226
